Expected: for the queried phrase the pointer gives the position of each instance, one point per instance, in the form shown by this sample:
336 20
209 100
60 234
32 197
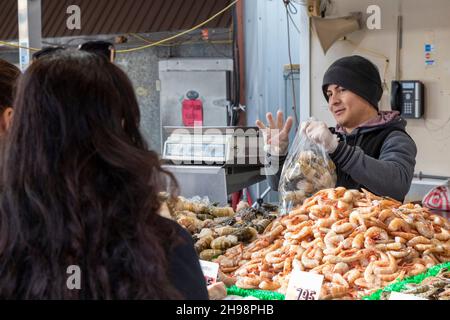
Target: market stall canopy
118 16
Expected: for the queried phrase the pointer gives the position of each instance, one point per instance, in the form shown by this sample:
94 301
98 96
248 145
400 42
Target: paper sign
403 296
304 286
210 271
429 54
429 47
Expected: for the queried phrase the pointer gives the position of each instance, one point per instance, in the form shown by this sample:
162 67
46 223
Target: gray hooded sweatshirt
389 173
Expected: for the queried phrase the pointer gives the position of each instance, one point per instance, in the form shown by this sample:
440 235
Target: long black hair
79 187
9 74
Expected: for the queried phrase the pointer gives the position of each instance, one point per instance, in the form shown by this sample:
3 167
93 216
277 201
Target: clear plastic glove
318 132
276 134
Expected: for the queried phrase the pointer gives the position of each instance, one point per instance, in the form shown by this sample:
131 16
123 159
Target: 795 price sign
304 286
305 294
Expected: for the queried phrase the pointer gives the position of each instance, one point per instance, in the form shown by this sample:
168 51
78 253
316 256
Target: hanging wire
181 33
17 46
293 22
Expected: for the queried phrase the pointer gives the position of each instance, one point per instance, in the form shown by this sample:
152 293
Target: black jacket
185 271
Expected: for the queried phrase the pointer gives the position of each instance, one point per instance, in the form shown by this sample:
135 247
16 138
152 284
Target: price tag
304 286
210 271
404 296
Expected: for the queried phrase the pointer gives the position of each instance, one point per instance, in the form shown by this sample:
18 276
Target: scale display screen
189 151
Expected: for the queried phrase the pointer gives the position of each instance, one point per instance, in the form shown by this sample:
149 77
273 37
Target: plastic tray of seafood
215 229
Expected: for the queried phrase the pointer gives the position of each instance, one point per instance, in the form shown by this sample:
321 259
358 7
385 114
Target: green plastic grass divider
260 294
400 285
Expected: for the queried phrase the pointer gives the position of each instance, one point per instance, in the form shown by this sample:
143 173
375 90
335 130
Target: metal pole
399 46
260 200
30 29
421 176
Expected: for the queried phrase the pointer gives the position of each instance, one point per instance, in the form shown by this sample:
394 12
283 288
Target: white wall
423 22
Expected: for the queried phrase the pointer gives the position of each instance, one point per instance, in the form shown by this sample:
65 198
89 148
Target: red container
192 112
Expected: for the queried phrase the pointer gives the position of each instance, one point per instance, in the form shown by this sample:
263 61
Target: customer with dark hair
103 48
9 74
79 187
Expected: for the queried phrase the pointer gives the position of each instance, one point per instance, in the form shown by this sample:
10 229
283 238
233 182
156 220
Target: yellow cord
179 34
181 43
17 46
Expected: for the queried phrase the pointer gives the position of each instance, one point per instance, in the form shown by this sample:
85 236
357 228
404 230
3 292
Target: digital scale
213 161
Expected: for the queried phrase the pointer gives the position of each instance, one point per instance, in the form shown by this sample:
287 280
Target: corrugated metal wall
118 16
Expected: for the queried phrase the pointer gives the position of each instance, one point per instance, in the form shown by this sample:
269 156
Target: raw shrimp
415 269
350 255
425 230
287 267
358 241
389 269
352 275
311 257
389 203
418 240
374 235
443 234
269 285
399 254
400 240
319 211
348 196
369 276
339 279
305 231
385 214
331 290
342 226
343 205
370 196
440 221
299 211
274 233
248 282
404 235
356 218
295 222
346 244
361 282
341 268
391 277
389 246
306 244
424 247
398 224
274 257
326 222
332 240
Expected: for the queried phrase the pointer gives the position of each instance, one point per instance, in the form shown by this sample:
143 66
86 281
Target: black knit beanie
356 74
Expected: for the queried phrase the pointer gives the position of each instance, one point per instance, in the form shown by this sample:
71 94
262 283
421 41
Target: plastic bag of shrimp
307 170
